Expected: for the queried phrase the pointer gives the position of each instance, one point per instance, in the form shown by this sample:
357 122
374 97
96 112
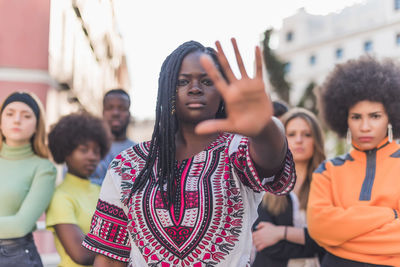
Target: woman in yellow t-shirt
79 140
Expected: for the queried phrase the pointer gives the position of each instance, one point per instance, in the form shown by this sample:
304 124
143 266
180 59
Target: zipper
366 189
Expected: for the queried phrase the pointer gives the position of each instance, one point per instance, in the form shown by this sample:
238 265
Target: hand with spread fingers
249 111
247 105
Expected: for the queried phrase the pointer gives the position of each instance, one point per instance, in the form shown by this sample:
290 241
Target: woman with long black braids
189 196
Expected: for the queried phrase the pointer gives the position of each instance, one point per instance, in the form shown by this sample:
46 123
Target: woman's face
18 124
300 139
368 122
196 98
84 159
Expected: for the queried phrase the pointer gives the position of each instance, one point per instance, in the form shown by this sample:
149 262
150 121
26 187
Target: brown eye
207 82
375 116
182 82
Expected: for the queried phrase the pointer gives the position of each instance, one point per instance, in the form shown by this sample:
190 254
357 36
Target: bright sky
152 29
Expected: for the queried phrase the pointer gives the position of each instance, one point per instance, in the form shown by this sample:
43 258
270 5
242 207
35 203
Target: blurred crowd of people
229 178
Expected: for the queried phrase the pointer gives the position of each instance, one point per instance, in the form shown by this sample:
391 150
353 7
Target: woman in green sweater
26 176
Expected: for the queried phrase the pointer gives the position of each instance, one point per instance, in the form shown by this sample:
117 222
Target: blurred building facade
86 55
24 46
311 45
68 53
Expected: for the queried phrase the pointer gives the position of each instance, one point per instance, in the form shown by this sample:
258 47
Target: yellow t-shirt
74 202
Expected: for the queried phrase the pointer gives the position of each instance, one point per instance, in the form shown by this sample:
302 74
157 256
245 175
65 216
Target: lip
115 123
298 149
195 104
91 167
15 129
365 139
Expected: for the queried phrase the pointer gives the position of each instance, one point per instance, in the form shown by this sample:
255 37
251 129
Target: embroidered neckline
217 141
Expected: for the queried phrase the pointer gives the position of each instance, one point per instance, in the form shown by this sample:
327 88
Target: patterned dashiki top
218 191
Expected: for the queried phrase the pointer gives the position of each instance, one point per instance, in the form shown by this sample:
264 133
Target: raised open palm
248 107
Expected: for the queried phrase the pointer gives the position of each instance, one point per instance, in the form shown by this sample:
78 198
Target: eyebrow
24 110
370 113
188 75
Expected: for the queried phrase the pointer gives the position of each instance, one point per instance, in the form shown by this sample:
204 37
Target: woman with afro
354 200
79 140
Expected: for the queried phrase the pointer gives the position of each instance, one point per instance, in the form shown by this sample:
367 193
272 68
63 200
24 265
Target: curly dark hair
75 129
358 80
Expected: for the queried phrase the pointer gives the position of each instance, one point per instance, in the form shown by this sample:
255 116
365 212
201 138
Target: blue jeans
19 252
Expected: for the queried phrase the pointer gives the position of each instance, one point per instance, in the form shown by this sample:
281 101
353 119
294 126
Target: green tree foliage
276 72
308 99
277 76
275 69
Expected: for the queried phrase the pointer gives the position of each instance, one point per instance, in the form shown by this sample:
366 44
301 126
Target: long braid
162 145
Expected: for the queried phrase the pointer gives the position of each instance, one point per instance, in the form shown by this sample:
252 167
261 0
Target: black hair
280 108
76 129
357 80
162 144
24 98
117 91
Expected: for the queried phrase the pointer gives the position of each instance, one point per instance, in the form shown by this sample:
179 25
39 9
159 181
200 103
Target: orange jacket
354 205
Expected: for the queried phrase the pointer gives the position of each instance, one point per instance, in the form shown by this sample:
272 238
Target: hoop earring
390 132
348 136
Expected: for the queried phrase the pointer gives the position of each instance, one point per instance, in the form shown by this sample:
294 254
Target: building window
397 4
339 53
289 36
287 67
367 46
398 39
312 60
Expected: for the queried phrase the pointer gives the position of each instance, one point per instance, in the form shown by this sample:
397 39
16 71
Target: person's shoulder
334 162
137 148
64 187
95 188
61 193
136 153
42 161
45 165
341 160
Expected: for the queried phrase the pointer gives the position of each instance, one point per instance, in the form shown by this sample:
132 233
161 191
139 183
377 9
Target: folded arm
330 225
385 241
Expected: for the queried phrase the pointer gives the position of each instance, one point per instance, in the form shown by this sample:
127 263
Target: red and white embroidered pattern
108 231
205 224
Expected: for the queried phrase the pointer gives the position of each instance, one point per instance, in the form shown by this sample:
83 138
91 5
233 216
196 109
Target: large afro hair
75 129
358 80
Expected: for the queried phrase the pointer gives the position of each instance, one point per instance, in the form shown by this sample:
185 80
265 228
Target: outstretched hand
247 105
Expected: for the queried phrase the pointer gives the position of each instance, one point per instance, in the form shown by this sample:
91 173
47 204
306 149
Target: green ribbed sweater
26 187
